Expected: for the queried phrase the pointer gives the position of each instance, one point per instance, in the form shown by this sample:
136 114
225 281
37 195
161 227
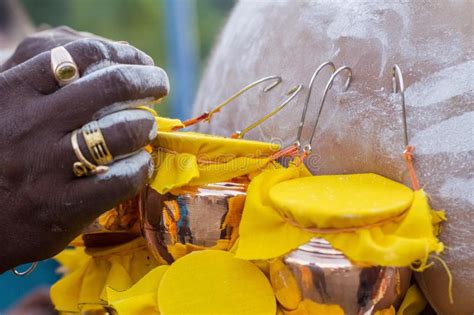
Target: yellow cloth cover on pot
117 267
279 218
215 282
187 158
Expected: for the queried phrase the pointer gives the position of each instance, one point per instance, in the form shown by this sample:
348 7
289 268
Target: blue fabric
13 288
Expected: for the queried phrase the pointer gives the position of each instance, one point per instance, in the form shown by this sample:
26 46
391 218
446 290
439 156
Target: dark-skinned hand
39 42
44 205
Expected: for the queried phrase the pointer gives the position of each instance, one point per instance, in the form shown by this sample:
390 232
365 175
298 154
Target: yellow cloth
168 124
141 298
186 158
117 267
215 282
266 232
413 303
164 124
341 201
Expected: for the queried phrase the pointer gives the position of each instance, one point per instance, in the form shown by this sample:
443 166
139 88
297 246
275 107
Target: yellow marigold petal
214 282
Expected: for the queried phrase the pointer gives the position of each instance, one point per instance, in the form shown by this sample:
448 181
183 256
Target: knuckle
93 48
64 29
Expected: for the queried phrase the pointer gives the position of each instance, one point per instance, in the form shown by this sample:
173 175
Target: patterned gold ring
96 143
83 167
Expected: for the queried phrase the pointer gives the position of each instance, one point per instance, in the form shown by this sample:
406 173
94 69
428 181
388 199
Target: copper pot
195 216
116 226
325 276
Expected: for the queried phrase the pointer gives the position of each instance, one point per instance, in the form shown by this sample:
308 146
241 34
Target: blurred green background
142 23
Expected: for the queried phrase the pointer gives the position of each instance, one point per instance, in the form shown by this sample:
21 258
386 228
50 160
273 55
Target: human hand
44 205
43 41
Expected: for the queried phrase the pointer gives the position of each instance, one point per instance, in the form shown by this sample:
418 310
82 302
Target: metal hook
398 77
27 271
308 96
307 147
277 79
292 94
208 115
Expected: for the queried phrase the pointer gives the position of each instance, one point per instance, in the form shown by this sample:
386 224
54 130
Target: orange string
292 150
408 155
193 121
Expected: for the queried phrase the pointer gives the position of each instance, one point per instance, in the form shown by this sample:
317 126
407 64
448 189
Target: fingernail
154 131
151 168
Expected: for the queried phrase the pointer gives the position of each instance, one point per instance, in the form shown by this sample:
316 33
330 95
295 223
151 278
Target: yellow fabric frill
164 124
187 158
90 273
267 232
168 124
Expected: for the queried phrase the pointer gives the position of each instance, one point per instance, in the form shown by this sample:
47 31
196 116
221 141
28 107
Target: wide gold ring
64 68
96 143
83 167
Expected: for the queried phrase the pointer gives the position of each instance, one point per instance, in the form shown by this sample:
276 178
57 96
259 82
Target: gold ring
96 143
83 166
64 68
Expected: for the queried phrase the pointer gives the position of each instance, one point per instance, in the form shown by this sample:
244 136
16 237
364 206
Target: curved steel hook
307 147
292 94
277 79
27 271
308 96
208 115
397 77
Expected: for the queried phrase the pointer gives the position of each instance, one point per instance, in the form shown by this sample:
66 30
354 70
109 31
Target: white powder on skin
125 116
442 85
462 188
361 130
452 135
98 66
128 167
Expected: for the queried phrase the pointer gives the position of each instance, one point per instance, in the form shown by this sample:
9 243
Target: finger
76 104
124 179
124 132
39 42
90 54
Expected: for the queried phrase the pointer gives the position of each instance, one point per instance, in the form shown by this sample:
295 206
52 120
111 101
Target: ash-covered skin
45 205
361 130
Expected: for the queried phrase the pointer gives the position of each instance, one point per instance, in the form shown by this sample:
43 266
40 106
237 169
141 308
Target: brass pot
197 216
325 276
116 226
